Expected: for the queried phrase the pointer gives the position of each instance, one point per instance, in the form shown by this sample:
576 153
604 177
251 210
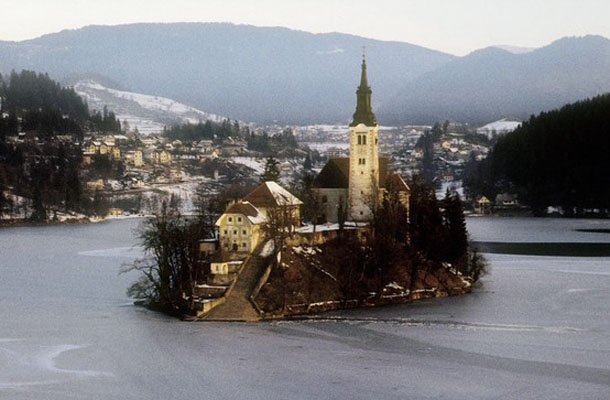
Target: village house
159 156
96 184
482 205
135 158
109 148
506 200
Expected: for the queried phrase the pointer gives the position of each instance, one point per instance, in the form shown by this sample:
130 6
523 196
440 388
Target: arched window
363 139
359 139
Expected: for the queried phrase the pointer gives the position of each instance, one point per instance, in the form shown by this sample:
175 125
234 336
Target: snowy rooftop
270 194
246 209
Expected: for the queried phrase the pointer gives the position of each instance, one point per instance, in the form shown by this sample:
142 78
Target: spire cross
363 51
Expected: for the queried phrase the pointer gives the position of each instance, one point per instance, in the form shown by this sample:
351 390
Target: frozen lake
538 329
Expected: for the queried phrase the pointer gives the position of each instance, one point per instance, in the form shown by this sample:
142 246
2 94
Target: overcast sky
454 26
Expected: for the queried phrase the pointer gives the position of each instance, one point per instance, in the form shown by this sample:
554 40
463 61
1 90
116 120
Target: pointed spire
364 113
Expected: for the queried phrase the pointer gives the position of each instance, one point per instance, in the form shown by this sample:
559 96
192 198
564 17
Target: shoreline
23 222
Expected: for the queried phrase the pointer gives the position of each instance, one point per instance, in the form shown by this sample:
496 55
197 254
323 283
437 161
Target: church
353 185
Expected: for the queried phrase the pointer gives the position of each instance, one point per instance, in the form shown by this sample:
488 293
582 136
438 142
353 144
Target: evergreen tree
456 247
100 204
427 232
272 170
307 164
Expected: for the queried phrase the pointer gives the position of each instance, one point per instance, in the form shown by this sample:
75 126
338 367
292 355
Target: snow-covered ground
499 127
148 113
255 163
325 146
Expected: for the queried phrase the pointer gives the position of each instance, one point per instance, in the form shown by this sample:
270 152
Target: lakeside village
130 172
260 224
125 173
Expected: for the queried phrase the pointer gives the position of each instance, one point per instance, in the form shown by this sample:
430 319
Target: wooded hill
31 101
557 158
44 173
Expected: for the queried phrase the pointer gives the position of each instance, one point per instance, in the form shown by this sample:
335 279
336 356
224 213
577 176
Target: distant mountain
245 72
490 84
515 49
148 113
267 75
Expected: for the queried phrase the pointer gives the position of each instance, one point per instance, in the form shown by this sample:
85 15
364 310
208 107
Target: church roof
270 194
398 182
335 174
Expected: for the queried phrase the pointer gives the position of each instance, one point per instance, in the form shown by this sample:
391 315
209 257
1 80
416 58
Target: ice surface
537 329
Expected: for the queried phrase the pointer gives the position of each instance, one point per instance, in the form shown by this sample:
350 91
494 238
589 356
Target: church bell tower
363 155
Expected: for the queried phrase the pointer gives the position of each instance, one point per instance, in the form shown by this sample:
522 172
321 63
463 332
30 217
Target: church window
359 139
363 139
364 160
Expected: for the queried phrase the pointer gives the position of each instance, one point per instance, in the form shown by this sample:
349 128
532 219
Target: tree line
208 130
31 101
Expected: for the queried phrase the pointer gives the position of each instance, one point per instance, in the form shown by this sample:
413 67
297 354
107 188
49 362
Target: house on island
240 228
355 183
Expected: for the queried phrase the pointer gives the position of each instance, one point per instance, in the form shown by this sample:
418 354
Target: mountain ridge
491 83
280 75
253 74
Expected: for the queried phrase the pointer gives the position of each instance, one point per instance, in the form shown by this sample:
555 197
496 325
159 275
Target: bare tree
173 263
281 222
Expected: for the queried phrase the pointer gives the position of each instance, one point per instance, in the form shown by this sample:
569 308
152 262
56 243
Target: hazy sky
454 26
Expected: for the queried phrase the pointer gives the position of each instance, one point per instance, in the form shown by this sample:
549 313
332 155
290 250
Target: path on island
238 306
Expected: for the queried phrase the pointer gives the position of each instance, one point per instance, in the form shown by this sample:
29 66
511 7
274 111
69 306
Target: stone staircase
237 306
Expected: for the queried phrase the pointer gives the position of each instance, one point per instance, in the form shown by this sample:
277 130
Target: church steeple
364 113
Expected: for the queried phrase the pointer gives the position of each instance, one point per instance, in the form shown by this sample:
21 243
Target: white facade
363 172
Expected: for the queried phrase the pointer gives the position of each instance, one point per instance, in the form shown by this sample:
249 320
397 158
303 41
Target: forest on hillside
33 102
557 158
39 174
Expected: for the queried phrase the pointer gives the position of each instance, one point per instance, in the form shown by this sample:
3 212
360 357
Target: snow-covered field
148 113
255 163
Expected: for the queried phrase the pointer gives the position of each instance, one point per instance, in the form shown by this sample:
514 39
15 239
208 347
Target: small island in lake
371 238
